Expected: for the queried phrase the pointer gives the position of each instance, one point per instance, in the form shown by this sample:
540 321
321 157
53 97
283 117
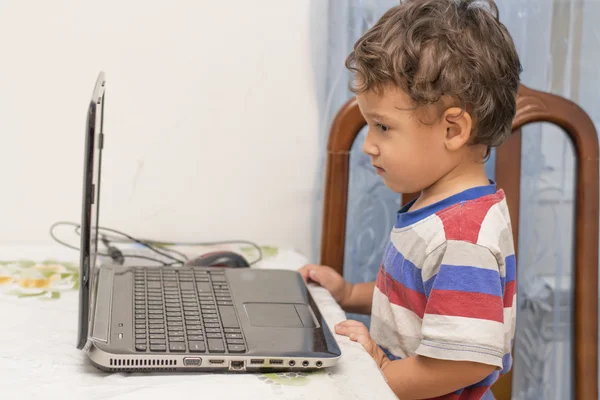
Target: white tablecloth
38 357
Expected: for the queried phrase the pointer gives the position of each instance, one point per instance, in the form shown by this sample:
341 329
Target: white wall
210 118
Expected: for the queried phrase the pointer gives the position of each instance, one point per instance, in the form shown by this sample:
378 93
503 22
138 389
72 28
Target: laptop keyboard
185 310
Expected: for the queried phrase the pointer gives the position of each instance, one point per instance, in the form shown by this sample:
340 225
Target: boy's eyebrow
377 116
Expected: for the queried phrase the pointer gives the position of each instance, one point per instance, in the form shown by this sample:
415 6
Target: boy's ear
458 125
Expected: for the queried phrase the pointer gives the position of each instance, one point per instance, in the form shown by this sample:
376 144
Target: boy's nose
369 147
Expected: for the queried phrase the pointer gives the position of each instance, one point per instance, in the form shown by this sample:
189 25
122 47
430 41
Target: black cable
145 243
115 253
138 241
150 244
77 227
114 239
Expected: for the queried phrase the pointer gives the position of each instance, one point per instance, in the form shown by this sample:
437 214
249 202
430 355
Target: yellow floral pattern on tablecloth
46 279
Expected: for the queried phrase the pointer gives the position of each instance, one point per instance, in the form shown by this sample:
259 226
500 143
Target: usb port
277 362
257 361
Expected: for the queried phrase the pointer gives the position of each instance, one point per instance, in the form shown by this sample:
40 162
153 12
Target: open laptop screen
90 206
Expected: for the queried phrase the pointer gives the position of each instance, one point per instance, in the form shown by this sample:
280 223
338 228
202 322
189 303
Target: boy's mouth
379 170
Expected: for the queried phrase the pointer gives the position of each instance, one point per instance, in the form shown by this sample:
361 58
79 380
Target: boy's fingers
348 328
306 271
364 340
351 322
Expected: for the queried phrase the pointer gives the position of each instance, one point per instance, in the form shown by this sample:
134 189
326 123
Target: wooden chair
532 106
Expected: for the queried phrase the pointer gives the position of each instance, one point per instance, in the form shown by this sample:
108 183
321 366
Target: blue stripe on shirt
465 279
403 271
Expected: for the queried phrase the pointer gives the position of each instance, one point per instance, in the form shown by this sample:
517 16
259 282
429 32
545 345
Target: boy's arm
421 377
417 377
359 298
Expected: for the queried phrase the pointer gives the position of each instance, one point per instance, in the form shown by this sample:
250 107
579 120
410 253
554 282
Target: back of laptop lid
90 208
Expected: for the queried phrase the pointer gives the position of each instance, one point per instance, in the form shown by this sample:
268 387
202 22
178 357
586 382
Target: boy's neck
459 179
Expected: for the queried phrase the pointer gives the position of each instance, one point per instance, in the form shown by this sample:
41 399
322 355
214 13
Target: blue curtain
559 46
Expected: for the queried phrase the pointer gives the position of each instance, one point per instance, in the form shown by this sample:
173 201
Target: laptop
166 318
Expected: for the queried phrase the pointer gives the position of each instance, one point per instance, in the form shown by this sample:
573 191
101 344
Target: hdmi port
257 361
216 361
276 362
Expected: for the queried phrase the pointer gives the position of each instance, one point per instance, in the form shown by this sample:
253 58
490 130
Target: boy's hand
358 332
329 279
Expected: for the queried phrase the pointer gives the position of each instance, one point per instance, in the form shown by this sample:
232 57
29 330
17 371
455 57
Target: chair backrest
532 106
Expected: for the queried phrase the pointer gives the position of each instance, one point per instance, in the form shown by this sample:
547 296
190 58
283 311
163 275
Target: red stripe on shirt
400 295
465 304
473 393
457 227
452 396
509 293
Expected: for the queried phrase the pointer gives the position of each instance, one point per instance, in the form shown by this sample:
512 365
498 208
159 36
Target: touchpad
280 315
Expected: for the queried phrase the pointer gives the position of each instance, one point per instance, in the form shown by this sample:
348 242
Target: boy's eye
382 128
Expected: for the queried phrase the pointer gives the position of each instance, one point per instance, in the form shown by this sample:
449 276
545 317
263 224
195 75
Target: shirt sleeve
464 313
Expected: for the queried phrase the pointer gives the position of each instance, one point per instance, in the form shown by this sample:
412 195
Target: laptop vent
129 364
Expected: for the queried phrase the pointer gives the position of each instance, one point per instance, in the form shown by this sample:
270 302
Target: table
38 357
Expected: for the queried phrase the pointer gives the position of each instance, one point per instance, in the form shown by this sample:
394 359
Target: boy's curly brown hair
439 49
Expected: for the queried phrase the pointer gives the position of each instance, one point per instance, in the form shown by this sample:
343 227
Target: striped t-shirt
446 287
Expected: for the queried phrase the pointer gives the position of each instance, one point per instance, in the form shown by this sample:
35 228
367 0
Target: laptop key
228 317
235 341
236 348
203 287
176 339
154 284
216 346
158 347
179 347
197 347
195 337
233 336
141 347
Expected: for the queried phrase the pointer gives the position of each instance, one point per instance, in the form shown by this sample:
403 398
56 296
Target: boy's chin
395 186
400 186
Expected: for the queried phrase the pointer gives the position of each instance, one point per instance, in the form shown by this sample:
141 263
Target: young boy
436 81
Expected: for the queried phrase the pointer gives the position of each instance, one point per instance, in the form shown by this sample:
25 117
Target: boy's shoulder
481 219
